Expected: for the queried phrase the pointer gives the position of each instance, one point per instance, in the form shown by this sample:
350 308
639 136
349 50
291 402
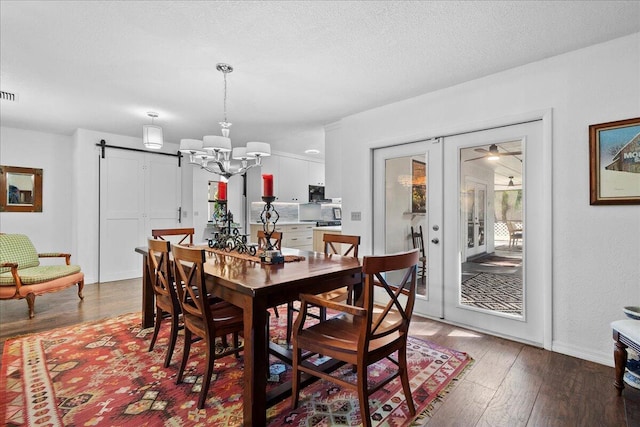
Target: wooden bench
22 276
626 333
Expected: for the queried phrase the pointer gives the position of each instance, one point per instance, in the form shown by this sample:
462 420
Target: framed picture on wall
20 189
614 154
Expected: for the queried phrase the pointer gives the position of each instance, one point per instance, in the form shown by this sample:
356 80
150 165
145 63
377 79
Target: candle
222 190
268 185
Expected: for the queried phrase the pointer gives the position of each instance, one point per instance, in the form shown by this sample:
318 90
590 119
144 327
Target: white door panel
528 326
401 202
138 192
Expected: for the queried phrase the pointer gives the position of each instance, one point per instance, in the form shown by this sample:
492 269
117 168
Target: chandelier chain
225 96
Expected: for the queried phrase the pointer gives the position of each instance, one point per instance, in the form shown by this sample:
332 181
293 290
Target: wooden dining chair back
362 335
203 317
334 244
418 243
180 233
164 289
276 239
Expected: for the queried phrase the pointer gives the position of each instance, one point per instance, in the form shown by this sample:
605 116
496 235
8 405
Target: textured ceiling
102 65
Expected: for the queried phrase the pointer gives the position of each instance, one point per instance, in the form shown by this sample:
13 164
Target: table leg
256 363
148 301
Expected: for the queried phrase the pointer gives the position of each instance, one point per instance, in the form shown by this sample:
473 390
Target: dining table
255 287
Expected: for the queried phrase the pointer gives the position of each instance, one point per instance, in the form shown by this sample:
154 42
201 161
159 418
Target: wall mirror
20 189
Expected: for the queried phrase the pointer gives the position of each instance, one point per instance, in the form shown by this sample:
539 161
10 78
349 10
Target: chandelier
214 153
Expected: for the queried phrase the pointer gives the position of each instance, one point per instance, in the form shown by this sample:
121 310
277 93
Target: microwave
316 193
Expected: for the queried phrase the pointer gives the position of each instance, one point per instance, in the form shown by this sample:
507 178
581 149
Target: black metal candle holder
269 216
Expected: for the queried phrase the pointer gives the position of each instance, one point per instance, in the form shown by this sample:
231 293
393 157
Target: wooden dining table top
256 279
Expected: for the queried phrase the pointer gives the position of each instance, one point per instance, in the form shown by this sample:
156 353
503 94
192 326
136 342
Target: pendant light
152 134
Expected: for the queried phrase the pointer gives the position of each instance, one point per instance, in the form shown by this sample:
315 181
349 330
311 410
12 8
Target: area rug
497 292
500 261
101 374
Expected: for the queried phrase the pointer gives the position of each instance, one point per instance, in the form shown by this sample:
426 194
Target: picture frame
337 213
20 189
614 162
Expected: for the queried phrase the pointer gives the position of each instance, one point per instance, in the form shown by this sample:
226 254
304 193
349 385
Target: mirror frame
37 189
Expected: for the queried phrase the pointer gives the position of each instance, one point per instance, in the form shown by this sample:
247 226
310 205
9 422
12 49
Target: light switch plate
356 216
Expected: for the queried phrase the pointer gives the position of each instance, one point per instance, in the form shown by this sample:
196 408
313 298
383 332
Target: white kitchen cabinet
296 236
316 173
292 186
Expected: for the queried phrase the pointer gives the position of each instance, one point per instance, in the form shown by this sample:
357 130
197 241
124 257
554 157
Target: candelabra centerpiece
269 217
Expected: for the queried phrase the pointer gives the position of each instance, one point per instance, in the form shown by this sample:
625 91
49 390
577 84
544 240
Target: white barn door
138 192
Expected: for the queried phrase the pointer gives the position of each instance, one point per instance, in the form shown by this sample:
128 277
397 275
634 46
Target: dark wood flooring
509 384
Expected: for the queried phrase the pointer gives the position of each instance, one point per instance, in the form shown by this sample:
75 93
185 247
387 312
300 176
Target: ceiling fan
494 154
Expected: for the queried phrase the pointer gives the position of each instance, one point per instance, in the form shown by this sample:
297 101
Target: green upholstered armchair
22 276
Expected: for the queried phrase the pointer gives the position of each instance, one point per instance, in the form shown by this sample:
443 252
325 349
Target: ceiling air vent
8 96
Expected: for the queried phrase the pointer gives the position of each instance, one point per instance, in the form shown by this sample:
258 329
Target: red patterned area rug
101 374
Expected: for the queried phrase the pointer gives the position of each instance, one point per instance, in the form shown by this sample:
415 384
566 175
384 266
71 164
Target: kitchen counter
329 228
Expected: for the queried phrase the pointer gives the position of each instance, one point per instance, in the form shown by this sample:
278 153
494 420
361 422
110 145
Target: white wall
49 230
596 249
69 221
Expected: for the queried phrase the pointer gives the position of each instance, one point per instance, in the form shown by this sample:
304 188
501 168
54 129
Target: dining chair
164 289
362 335
186 233
515 232
276 237
202 318
418 243
338 244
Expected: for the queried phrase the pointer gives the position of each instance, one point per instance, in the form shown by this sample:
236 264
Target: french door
408 194
492 178
138 192
477 185
474 205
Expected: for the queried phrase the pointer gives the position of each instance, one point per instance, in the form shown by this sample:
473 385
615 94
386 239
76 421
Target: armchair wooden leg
31 302
80 288
620 358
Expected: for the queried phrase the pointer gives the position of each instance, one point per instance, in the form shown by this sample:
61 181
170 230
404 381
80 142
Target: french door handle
435 240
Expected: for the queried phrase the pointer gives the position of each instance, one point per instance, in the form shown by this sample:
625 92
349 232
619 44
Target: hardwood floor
509 384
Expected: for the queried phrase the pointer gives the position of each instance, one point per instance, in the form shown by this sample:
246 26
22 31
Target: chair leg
156 328
363 397
323 314
80 287
290 311
236 344
275 311
31 303
404 378
172 339
185 354
206 380
295 379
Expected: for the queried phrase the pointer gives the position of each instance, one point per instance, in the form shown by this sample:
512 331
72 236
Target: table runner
255 258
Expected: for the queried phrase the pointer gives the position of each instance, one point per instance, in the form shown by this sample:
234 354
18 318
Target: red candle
222 190
268 185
